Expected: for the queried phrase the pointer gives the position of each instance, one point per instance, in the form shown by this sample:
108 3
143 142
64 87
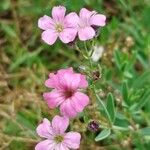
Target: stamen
59 28
58 138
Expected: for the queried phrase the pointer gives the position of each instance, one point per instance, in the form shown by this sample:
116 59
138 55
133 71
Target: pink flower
87 19
66 92
55 136
59 25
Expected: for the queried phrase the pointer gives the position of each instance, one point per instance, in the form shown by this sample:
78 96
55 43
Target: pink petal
79 101
68 35
72 140
69 81
67 109
86 33
54 98
53 81
72 20
49 36
45 145
67 70
44 129
60 124
83 82
98 20
61 146
84 13
45 23
58 13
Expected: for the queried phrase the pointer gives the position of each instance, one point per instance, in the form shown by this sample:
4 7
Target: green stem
94 89
102 104
89 58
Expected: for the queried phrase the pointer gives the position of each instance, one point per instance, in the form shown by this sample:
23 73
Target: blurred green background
25 62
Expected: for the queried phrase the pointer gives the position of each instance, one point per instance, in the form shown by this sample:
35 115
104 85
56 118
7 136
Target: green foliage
111 107
103 134
122 90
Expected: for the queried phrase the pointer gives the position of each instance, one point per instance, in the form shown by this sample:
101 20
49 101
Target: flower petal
54 98
72 140
45 145
79 101
46 23
60 124
70 81
85 13
67 109
61 146
67 70
98 20
86 33
49 36
83 82
68 35
58 13
71 20
44 129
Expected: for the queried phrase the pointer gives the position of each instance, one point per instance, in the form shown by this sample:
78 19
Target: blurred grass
25 62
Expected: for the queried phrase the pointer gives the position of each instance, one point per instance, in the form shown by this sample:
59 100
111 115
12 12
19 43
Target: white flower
98 52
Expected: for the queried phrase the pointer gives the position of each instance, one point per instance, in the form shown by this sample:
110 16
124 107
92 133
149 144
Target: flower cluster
66 85
67 27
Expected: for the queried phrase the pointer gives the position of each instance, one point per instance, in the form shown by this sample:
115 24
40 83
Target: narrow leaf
125 93
145 131
102 135
111 107
143 100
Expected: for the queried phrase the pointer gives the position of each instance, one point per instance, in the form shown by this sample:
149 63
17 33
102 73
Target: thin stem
102 104
89 58
93 87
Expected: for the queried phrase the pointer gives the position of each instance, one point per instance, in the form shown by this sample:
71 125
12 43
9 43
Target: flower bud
93 126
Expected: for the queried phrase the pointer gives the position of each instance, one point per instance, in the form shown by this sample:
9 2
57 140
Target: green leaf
111 107
145 131
117 59
100 103
125 93
102 135
143 100
141 80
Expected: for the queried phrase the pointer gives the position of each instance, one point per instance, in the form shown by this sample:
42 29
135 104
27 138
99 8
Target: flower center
58 138
59 28
69 94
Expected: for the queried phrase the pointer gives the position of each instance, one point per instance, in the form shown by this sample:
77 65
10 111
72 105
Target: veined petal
58 13
46 23
49 36
67 109
71 20
68 35
46 145
70 81
86 33
54 98
83 82
79 101
85 13
60 124
44 129
98 20
61 146
72 140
